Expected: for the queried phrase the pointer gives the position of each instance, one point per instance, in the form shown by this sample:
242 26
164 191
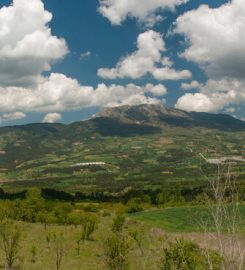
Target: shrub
91 208
118 223
137 238
202 199
75 218
134 206
116 252
185 255
89 225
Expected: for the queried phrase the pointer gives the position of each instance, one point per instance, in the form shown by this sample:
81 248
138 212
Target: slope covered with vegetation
140 147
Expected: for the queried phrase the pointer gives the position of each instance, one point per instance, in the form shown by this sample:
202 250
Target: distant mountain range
127 120
40 144
160 117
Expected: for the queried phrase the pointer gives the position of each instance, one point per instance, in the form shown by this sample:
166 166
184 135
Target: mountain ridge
143 115
158 115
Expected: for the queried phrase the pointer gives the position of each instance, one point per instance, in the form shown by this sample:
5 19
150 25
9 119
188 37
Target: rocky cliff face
158 115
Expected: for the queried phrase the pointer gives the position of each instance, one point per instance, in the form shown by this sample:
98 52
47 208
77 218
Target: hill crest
158 115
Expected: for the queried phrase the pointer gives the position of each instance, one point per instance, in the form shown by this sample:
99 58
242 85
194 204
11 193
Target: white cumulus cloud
12 116
145 11
195 102
52 118
190 86
230 110
214 96
27 46
215 39
146 59
167 73
150 44
85 54
156 90
58 93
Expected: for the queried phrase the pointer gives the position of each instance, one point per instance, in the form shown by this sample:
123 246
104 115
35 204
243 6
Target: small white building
88 164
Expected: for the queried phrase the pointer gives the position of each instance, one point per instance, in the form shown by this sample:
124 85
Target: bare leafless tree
59 249
10 242
225 219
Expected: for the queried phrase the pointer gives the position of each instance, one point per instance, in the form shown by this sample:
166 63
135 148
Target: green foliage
116 253
91 208
202 199
75 218
170 195
29 209
6 210
88 227
36 209
134 206
118 223
89 224
185 255
43 216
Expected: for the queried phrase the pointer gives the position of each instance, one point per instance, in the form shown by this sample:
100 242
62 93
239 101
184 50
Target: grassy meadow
91 256
156 227
182 219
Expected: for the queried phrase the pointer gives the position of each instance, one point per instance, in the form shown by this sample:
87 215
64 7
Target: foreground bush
116 253
184 255
89 225
118 223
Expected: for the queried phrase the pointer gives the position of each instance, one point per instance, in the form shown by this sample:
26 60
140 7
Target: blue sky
87 46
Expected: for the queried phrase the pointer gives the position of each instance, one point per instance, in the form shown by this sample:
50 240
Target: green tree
116 253
88 227
29 209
